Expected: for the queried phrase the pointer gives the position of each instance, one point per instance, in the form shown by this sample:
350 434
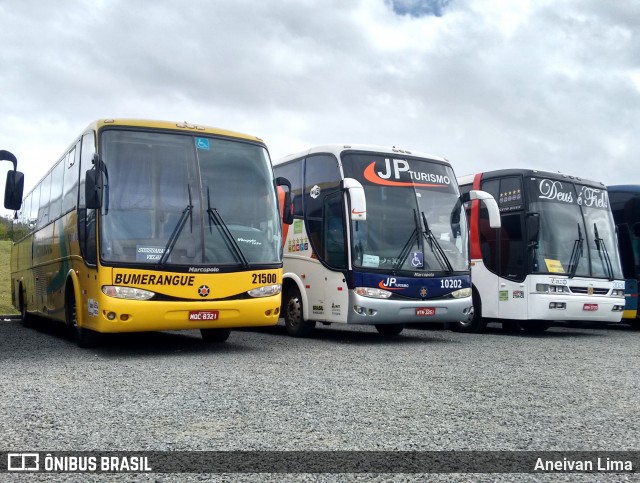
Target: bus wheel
25 317
535 326
215 335
295 324
389 330
84 338
474 325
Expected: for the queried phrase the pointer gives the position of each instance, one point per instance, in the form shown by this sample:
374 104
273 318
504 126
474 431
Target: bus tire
83 337
26 319
215 335
477 323
535 326
389 330
293 320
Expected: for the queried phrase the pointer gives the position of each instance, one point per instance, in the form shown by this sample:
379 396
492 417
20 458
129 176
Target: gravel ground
569 389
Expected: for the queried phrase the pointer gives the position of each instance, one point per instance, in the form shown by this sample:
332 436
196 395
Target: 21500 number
265 278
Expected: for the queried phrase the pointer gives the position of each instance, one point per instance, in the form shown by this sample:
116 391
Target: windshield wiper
214 216
407 246
602 250
435 246
186 213
576 254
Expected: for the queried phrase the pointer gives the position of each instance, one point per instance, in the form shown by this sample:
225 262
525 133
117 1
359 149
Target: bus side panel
59 267
486 283
326 295
311 272
21 272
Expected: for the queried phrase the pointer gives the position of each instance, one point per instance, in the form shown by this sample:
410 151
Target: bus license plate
426 312
203 315
590 307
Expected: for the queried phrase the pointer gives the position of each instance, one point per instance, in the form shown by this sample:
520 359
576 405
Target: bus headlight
265 291
128 293
617 292
375 293
462 293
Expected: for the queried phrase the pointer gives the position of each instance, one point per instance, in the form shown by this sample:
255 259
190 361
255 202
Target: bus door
324 215
504 251
513 264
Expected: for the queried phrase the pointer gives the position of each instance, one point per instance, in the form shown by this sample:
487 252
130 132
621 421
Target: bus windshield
577 234
176 199
414 219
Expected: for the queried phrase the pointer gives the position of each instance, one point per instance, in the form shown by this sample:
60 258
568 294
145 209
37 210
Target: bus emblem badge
203 290
423 292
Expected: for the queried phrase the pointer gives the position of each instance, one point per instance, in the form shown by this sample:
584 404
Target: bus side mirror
15 182
93 189
492 207
533 227
284 199
357 199
13 190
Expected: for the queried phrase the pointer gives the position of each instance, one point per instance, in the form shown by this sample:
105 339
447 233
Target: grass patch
5 278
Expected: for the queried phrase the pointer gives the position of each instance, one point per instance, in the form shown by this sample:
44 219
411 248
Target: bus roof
337 149
467 179
168 125
624 188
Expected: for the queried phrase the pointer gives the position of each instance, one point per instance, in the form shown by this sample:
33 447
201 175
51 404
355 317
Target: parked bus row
145 226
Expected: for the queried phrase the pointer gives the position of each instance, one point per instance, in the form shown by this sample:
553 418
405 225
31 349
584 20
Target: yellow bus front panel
181 300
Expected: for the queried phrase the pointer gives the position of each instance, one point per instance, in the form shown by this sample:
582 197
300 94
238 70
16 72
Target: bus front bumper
580 308
147 315
367 310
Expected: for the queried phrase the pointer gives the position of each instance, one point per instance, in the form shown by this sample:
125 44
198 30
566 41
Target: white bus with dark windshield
555 257
379 237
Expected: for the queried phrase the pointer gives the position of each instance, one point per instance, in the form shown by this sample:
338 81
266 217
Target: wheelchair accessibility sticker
417 259
202 143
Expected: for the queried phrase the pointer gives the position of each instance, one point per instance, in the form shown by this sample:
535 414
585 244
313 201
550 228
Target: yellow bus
150 225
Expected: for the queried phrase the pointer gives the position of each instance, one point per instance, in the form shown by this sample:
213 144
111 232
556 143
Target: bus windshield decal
400 171
544 189
202 143
552 190
592 197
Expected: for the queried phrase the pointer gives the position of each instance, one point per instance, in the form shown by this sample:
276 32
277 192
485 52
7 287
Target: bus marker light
111 316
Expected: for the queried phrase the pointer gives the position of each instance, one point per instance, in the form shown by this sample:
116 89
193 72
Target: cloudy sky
551 85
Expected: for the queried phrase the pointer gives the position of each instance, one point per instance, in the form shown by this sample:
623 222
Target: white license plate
426 312
203 315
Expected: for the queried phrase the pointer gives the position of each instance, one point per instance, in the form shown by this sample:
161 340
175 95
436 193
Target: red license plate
426 312
590 307
203 315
